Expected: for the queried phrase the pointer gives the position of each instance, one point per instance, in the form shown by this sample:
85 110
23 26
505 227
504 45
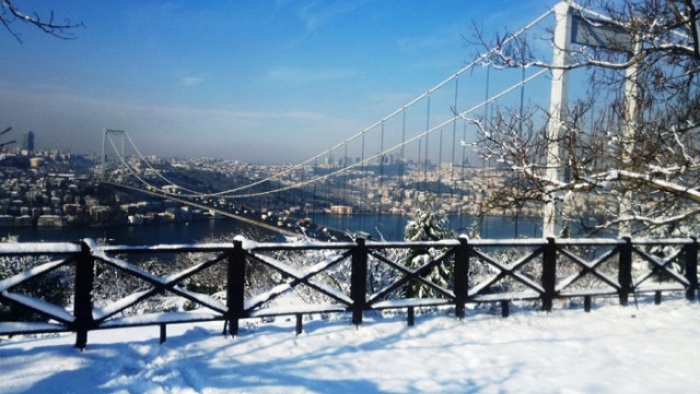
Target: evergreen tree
428 225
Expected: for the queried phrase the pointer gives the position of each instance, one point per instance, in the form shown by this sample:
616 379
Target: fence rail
352 277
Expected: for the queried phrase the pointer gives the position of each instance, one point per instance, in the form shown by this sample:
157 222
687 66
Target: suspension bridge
424 150
420 149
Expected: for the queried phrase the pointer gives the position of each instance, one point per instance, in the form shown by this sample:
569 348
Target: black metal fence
351 277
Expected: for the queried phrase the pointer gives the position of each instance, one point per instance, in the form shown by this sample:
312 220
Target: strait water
391 228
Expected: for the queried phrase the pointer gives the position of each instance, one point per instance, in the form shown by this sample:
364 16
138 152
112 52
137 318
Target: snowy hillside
650 349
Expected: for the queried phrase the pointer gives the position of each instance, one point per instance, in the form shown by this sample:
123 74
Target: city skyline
265 81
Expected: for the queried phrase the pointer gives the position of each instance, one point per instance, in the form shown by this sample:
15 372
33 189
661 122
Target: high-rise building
28 141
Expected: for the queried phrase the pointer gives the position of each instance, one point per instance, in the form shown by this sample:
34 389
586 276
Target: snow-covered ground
613 349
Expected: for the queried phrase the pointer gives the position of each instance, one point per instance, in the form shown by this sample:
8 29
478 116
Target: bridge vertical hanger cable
402 163
344 183
403 146
419 164
439 163
327 167
521 121
302 197
290 175
464 162
313 204
382 158
419 167
454 142
362 184
464 170
427 136
483 225
267 199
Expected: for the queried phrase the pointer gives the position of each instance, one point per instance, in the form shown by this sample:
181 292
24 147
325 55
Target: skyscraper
28 141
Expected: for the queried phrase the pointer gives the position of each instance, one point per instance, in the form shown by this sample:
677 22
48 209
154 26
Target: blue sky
259 81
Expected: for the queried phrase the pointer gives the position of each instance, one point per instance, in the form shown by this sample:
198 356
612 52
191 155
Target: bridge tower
600 34
107 131
557 109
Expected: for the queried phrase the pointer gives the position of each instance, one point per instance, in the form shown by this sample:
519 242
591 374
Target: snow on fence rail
264 280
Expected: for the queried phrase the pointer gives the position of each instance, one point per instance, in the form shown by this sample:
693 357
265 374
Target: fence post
549 273
461 280
625 271
235 285
82 304
691 269
358 280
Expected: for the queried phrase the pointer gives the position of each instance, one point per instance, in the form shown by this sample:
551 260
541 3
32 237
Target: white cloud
301 76
191 81
315 15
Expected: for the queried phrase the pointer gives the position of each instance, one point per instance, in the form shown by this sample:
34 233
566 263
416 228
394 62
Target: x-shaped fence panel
660 267
411 275
60 318
505 271
37 305
172 283
297 277
588 267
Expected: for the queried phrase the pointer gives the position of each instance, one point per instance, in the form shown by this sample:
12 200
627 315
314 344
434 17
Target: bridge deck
338 234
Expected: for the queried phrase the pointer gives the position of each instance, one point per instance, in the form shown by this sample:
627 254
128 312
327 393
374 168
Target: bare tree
630 146
10 14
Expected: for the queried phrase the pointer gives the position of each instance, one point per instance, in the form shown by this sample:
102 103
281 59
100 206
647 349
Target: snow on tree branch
649 160
10 13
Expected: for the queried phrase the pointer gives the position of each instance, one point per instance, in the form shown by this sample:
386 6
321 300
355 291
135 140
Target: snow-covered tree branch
631 139
11 13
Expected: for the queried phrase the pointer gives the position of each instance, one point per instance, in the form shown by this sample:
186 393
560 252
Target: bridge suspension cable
402 110
347 167
366 158
458 116
148 164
